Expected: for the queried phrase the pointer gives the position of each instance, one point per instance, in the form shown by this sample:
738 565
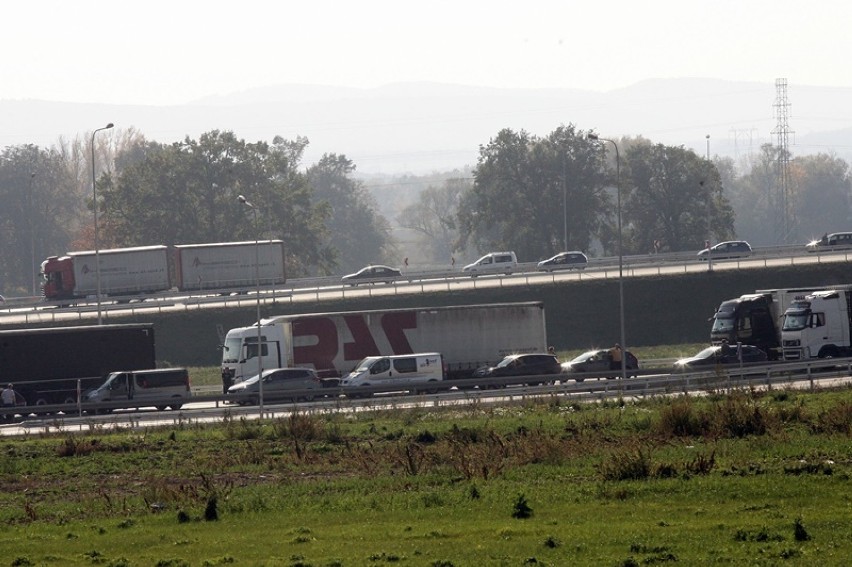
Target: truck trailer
46 365
151 269
818 325
755 319
467 336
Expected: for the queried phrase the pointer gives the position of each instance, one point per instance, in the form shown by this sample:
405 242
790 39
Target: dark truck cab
749 319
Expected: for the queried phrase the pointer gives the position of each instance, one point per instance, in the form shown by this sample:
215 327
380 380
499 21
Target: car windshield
506 362
585 356
364 365
707 352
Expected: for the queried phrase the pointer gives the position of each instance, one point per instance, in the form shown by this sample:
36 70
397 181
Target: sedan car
278 384
564 261
522 365
725 250
372 274
722 354
597 361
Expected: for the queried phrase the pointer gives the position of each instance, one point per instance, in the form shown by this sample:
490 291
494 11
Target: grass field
746 478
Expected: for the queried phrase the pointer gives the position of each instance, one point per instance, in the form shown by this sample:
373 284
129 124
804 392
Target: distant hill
426 127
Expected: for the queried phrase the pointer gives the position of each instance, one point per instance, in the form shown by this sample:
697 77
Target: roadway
34 310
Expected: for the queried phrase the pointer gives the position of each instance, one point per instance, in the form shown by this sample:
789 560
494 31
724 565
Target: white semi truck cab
818 326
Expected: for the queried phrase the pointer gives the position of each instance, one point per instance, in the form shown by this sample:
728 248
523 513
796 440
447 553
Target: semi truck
755 319
54 365
150 269
468 337
818 325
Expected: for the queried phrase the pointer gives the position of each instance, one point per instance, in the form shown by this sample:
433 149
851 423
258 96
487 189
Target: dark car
597 361
522 365
829 242
725 250
722 354
564 261
278 384
372 274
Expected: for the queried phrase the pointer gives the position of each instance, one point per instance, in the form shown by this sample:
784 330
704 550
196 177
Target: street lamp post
564 207
248 204
709 215
592 136
95 208
32 236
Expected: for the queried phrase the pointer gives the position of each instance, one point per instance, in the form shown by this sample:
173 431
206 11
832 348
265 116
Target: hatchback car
720 354
724 250
564 261
596 361
522 365
278 384
372 274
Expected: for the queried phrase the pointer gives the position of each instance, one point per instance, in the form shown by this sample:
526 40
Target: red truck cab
58 273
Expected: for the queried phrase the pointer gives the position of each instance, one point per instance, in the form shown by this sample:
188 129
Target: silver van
160 387
493 263
406 372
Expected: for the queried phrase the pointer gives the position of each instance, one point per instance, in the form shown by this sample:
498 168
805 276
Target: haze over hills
427 127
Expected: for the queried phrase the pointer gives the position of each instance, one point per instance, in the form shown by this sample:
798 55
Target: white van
493 263
406 371
160 387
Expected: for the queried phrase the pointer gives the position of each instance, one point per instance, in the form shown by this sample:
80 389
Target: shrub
521 510
679 419
799 531
627 464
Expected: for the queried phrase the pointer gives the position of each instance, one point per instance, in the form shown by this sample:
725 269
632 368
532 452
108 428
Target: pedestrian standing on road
8 397
615 357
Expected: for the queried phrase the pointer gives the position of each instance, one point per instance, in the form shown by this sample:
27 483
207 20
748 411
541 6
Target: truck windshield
723 324
795 321
231 350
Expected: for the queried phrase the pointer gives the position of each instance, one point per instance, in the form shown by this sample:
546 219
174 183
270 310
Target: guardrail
644 382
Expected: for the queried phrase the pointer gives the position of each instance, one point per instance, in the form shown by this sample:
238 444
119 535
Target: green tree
358 233
674 196
186 193
433 218
527 190
822 196
38 214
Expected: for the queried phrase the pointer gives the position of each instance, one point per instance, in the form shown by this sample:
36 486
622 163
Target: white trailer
467 336
229 265
143 269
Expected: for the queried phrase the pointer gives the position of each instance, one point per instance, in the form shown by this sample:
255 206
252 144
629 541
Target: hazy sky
162 52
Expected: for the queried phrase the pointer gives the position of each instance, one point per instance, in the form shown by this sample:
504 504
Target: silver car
278 384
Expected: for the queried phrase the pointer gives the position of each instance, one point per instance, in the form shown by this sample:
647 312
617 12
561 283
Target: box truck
467 337
47 365
151 269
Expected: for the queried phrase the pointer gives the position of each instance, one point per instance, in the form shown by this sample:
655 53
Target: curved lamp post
248 204
95 208
595 137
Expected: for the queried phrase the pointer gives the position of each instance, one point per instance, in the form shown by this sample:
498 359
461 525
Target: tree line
534 195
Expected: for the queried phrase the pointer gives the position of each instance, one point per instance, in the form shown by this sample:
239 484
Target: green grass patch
757 478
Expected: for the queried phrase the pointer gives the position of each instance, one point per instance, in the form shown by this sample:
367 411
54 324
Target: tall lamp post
95 208
709 216
32 236
248 204
592 136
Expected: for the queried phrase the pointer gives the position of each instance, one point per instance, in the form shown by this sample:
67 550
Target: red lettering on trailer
394 326
363 343
321 355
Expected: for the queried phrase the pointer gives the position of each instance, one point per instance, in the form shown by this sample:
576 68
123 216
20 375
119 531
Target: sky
173 52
